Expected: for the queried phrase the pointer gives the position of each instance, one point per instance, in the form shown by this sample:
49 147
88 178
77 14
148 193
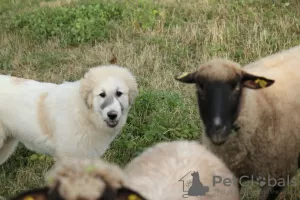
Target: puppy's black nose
112 115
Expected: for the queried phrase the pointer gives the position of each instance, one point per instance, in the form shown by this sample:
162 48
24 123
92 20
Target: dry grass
184 34
55 3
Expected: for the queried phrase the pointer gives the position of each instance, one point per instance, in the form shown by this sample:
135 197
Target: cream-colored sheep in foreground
88 179
264 112
79 118
155 174
168 168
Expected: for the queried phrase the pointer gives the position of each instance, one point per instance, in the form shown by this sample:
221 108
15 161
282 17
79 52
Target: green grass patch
5 62
157 115
72 25
85 22
21 172
45 60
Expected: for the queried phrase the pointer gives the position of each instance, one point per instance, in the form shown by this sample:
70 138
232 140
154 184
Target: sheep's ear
256 82
186 77
35 194
128 194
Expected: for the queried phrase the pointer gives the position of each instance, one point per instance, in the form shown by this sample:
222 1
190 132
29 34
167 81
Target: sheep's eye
102 94
201 86
234 86
118 93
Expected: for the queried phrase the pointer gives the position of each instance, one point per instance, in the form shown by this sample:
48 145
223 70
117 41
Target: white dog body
77 118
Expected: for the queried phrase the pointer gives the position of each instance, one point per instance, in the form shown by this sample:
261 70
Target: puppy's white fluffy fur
65 119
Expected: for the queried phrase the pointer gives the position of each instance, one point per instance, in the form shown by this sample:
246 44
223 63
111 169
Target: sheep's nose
217 124
112 115
219 139
219 128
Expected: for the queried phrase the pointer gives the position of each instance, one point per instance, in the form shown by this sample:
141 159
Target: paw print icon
261 181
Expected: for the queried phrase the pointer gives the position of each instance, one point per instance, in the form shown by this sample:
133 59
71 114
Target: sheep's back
158 172
277 106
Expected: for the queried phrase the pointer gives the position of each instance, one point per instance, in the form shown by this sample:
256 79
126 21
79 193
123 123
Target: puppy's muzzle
111 121
112 115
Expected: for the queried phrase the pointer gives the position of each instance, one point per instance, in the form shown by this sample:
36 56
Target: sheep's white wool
160 172
86 179
155 174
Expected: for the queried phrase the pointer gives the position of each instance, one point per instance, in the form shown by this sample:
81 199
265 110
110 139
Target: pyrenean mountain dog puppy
78 118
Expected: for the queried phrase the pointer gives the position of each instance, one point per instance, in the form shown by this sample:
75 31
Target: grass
58 40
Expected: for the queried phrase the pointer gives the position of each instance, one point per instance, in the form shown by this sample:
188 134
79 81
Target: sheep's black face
219 86
218 104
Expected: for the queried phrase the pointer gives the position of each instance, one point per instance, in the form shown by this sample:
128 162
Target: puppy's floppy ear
255 82
35 194
186 77
86 90
128 194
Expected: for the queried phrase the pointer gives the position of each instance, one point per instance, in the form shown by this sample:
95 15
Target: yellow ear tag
262 83
133 197
184 74
50 180
28 198
89 169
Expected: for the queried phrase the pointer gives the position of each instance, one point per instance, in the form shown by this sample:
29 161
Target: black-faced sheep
266 121
166 171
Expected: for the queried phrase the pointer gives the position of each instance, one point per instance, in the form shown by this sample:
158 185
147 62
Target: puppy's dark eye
102 94
118 93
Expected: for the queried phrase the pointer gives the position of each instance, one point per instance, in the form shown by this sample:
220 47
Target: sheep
73 178
252 122
79 118
155 174
164 170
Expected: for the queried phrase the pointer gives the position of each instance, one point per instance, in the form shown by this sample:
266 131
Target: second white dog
78 118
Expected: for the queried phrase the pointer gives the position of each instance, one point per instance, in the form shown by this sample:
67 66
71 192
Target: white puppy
78 118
